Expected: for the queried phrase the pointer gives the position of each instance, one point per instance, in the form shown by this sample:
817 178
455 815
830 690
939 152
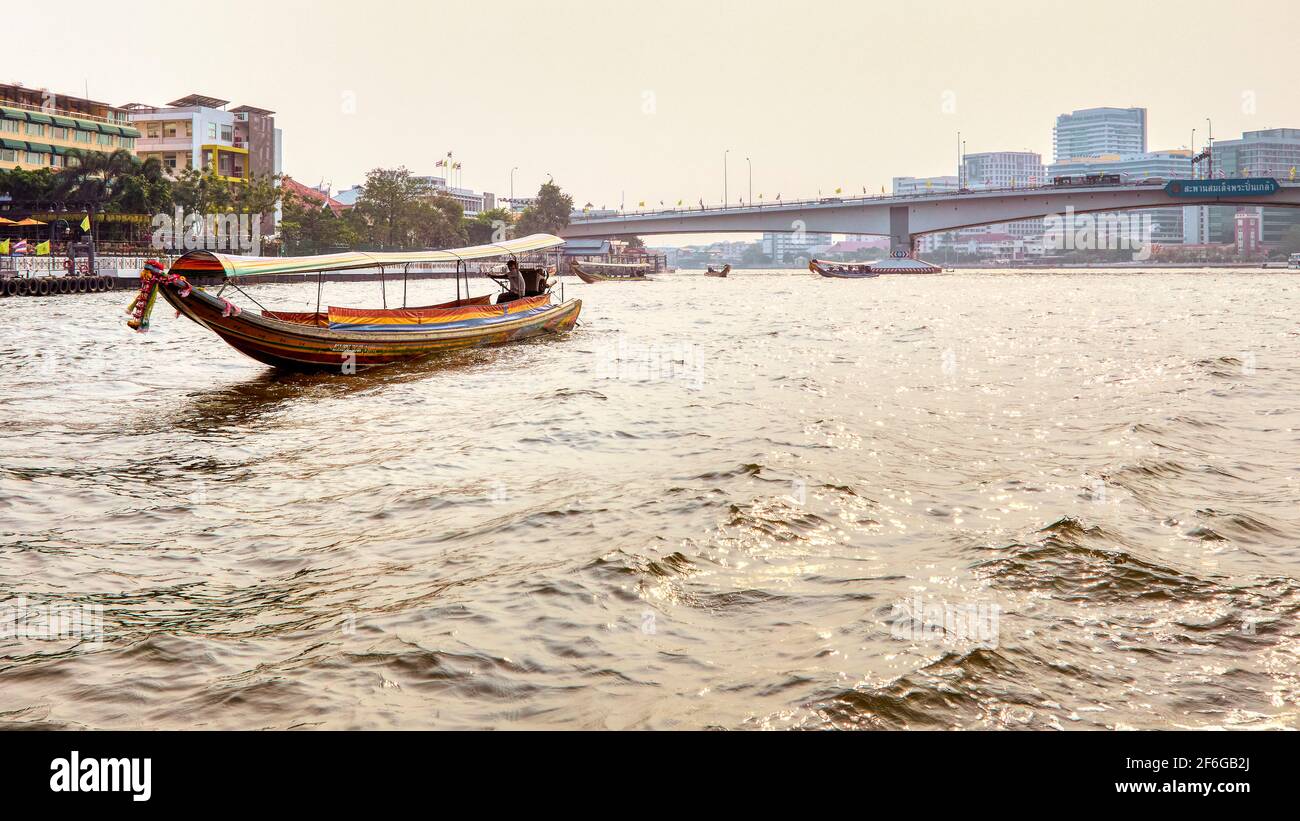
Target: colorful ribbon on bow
152 276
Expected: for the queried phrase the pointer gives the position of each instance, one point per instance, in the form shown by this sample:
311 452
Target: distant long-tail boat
865 270
610 271
726 269
354 339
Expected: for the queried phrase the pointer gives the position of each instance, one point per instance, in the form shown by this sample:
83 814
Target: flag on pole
4 246
839 190
43 248
1293 173
20 247
679 202
85 223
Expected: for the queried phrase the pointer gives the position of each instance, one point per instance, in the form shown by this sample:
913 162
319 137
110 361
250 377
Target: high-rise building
1005 169
39 128
1167 223
786 246
1092 132
1269 153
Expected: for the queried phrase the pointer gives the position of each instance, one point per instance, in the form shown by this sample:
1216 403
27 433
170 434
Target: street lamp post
1210 145
724 177
512 185
751 180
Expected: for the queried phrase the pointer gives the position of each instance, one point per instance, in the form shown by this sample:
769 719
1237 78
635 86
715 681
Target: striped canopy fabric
433 319
209 262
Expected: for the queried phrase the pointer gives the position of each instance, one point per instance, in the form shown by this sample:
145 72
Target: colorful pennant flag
43 248
85 223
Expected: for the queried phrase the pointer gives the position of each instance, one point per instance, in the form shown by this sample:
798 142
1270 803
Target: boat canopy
209 262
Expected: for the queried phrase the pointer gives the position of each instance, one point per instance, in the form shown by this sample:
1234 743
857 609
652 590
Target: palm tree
92 178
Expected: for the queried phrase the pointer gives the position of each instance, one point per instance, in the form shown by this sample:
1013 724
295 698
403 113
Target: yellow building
38 128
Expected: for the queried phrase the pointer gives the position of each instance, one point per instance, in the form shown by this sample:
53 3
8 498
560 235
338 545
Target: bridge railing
839 200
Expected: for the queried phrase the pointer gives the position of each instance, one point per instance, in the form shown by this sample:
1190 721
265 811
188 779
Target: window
81 136
8 155
59 133
9 125
169 162
171 130
128 143
105 139
212 131
35 159
227 133
153 130
35 129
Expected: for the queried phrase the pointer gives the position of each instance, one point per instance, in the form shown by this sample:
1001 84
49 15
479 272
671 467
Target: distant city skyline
836 95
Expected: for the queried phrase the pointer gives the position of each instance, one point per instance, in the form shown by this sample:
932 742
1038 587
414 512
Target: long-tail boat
592 272
354 339
842 270
863 270
726 269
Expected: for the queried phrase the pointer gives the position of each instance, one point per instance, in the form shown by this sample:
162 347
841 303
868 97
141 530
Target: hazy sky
643 98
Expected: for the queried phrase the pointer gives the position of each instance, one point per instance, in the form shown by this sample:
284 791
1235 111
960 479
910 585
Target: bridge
904 218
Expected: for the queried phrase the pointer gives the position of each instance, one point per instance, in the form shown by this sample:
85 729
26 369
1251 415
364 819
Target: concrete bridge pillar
900 237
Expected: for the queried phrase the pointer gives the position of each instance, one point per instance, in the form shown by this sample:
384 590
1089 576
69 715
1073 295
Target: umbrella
28 221
4 221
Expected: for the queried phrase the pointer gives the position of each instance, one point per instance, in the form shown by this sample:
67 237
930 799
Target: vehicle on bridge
1293 261
1086 179
592 272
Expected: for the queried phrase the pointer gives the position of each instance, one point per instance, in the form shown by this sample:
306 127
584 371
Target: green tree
92 179
29 189
754 256
202 192
259 195
144 191
483 228
308 227
387 203
548 215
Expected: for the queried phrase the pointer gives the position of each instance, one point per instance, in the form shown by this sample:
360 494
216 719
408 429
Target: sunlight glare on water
772 500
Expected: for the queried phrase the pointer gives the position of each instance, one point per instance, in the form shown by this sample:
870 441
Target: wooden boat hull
591 276
726 269
300 347
846 272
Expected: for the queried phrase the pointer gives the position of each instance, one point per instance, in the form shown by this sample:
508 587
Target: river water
970 500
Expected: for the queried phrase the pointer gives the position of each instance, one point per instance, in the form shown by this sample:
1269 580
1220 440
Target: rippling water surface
768 501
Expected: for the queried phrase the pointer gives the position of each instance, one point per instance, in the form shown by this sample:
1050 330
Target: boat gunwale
319 334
